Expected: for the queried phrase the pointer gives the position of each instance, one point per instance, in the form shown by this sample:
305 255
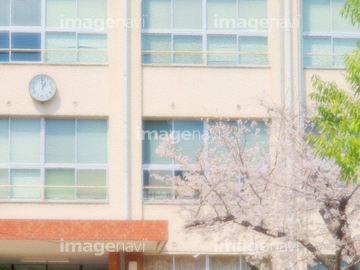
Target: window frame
327 34
43 166
204 33
43 30
206 265
173 167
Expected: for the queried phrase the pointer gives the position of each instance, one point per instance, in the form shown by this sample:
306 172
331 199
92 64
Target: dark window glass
4 44
26 41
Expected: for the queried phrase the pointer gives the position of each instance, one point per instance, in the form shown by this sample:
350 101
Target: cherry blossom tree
279 190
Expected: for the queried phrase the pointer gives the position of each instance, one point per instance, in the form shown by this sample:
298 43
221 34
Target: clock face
42 88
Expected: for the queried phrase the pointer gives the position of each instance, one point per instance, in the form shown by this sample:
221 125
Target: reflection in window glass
60 178
96 44
342 46
4 44
4 13
187 14
92 141
156 14
26 12
156 189
319 46
191 44
60 141
60 12
253 45
316 16
96 180
25 140
26 178
219 44
61 42
154 43
26 41
221 15
4 181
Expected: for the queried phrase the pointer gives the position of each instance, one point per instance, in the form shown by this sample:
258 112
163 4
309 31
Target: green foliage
338 112
338 122
352 11
353 70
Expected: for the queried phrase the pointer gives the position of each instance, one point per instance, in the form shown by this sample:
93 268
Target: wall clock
42 88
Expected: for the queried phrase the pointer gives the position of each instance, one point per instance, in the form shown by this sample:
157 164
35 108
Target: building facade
81 82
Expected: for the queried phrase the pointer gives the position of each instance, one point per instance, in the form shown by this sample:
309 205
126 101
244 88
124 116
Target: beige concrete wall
87 91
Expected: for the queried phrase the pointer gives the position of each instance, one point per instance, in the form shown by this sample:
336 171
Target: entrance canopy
77 241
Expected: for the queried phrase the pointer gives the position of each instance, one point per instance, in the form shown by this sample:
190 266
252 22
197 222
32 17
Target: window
211 32
53 31
53 159
189 136
188 262
327 35
53 267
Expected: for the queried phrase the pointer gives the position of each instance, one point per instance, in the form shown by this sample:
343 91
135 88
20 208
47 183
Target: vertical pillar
114 261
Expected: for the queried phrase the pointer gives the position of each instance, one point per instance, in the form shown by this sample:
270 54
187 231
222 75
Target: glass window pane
4 12
4 140
156 14
252 15
263 137
61 13
91 178
60 178
342 46
216 141
26 41
155 43
222 44
190 44
316 16
25 140
60 41
96 44
221 15
92 10
156 189
253 45
4 181
157 262
91 141
317 46
187 14
4 44
29 267
339 22
95 267
60 141
153 133
224 263
26 13
189 263
25 178
188 135
63 267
